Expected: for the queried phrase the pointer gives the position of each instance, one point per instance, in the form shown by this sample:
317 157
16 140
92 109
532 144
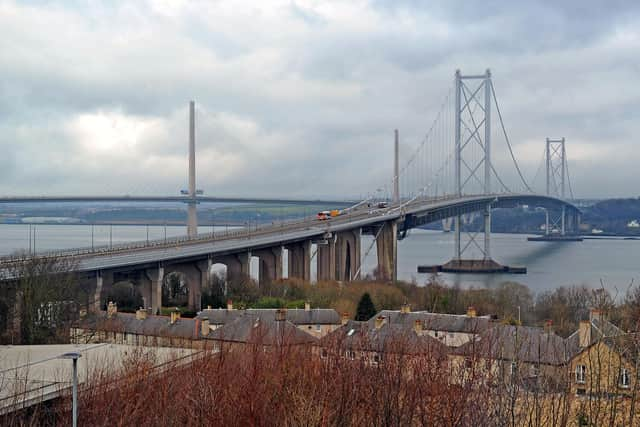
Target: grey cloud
320 97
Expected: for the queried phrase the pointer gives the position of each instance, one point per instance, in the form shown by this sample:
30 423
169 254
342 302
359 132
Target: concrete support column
270 264
238 265
327 259
152 293
299 264
387 246
347 254
103 281
204 267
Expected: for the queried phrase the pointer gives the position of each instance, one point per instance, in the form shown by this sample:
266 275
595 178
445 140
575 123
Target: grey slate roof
158 326
436 321
315 316
255 329
522 343
600 328
390 338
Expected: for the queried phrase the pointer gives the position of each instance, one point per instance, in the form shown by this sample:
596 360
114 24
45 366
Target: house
261 330
141 329
607 366
531 356
373 341
453 330
315 321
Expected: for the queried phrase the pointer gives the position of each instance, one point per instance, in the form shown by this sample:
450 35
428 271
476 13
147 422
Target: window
514 368
436 334
376 358
318 328
581 373
323 353
351 355
623 379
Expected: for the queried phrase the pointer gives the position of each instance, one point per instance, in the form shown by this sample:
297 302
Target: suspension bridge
449 176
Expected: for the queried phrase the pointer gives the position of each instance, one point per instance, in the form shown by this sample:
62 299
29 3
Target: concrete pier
299 260
327 259
387 246
347 254
270 264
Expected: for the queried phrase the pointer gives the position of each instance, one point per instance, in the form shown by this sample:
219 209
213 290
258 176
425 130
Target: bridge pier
299 264
270 264
347 248
151 287
238 265
327 259
387 247
103 281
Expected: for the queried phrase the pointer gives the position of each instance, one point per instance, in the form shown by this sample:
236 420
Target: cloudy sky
301 98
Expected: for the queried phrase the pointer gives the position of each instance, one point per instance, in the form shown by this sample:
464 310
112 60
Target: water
549 264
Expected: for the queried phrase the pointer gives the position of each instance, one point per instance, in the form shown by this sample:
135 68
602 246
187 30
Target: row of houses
598 358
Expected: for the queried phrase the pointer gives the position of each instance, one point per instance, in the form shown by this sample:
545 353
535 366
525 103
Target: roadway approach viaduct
338 243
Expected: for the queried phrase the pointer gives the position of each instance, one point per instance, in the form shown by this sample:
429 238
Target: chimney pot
307 306
141 314
595 314
345 318
229 305
112 309
405 308
281 314
417 326
548 326
379 322
471 311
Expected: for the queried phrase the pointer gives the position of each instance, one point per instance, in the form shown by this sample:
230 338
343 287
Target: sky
300 99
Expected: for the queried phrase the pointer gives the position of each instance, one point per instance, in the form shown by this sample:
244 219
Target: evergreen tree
366 310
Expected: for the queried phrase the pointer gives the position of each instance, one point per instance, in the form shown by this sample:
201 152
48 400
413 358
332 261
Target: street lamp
74 356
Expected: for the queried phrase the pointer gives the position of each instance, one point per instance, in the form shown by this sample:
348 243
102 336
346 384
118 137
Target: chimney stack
307 306
175 316
281 314
204 327
344 319
596 315
471 311
548 326
584 333
379 322
405 308
112 309
417 326
141 314
229 305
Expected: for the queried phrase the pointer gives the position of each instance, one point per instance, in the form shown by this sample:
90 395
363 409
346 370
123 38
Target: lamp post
74 356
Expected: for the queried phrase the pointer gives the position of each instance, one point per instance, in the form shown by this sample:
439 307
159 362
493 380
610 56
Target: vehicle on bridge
325 215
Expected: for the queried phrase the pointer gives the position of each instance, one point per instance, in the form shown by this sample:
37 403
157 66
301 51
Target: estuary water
612 262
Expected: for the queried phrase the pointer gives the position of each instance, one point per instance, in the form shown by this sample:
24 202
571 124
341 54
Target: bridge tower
192 202
472 136
556 161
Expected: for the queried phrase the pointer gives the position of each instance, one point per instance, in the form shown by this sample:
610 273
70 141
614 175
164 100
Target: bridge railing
245 232
235 233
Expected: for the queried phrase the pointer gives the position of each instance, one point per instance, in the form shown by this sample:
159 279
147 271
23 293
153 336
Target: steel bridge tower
473 120
556 161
